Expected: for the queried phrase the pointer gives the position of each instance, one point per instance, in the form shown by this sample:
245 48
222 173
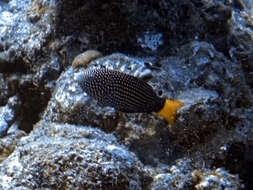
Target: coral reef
54 136
8 114
183 176
93 160
218 179
10 141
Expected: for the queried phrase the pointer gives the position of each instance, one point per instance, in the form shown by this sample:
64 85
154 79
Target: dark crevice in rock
159 147
31 90
16 66
238 160
245 58
34 100
116 26
103 24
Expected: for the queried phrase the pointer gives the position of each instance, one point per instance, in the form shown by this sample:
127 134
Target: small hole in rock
160 92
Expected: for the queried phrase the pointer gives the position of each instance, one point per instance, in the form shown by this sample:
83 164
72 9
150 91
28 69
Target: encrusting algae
126 93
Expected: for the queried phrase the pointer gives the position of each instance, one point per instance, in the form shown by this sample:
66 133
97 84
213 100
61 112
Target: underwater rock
177 176
217 179
22 36
131 65
9 142
32 97
47 74
182 175
232 22
4 91
8 114
59 156
216 91
150 40
154 27
24 56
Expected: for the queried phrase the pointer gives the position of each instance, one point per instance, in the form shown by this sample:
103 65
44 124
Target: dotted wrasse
126 93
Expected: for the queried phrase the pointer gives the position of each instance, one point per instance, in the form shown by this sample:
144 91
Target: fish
126 93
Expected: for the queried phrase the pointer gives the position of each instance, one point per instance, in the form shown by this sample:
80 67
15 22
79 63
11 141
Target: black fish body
124 92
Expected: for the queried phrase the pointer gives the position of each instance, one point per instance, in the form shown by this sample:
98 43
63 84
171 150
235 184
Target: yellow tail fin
169 110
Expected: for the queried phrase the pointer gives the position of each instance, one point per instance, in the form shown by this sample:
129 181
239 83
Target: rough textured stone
18 51
8 114
28 66
217 179
4 91
60 156
10 141
182 175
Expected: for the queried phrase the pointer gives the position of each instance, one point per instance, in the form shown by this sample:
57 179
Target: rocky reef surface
54 136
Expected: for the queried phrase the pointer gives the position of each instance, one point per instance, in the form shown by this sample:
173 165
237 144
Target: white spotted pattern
124 92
